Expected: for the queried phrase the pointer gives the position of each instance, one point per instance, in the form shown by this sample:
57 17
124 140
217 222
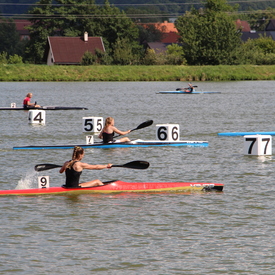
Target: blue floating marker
246 133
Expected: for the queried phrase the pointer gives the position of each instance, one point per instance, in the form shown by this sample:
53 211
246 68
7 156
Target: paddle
137 164
140 126
180 89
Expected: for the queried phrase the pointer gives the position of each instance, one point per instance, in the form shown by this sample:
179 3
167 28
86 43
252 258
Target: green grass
135 73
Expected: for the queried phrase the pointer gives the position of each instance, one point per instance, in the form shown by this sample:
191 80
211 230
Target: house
243 25
170 33
254 35
270 25
70 50
21 25
268 32
158 47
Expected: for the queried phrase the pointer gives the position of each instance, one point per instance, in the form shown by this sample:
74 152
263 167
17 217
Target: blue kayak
134 143
182 92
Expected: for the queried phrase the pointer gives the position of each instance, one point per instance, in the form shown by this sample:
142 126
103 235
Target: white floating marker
43 182
37 117
92 125
168 132
257 145
13 105
89 139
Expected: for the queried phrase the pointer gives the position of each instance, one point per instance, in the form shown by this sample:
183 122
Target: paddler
189 89
107 133
73 169
27 102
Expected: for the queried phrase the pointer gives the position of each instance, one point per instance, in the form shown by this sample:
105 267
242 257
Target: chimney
85 36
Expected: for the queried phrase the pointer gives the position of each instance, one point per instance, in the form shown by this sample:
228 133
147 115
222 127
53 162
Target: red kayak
119 187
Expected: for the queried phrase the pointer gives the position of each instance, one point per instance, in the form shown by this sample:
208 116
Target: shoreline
44 73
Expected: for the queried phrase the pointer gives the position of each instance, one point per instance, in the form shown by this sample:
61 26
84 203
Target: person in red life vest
27 102
107 133
73 170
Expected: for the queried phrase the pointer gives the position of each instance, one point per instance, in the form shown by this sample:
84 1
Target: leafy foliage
88 59
70 18
9 37
209 37
12 59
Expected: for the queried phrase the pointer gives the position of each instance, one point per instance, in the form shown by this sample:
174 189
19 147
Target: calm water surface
169 233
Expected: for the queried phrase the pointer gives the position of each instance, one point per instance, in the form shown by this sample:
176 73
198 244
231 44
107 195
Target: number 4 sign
37 117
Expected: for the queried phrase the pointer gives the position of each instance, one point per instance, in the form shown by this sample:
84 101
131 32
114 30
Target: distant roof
164 27
270 25
158 47
21 24
170 37
243 25
254 35
70 50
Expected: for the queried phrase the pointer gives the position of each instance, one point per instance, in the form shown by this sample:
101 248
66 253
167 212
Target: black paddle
137 164
142 125
180 89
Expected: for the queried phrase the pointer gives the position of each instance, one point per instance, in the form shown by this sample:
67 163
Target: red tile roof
21 24
164 27
170 37
70 50
243 25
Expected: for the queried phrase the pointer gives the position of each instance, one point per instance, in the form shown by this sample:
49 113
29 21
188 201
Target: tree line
208 35
143 7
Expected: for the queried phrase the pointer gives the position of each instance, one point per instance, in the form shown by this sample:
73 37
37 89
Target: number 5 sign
257 145
92 125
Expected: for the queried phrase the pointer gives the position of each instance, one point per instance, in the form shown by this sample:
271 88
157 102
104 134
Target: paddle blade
137 164
144 124
45 166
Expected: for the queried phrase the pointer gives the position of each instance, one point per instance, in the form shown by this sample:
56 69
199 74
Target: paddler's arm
63 168
91 166
121 132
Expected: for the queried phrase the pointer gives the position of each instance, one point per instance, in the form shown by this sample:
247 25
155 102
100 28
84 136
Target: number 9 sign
43 182
92 125
167 132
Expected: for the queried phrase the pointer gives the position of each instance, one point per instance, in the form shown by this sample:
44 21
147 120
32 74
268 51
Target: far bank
135 73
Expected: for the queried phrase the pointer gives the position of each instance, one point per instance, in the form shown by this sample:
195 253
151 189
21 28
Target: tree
149 33
73 18
259 51
175 55
209 36
9 37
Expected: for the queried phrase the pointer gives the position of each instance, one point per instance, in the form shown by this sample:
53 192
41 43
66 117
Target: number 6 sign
168 132
257 145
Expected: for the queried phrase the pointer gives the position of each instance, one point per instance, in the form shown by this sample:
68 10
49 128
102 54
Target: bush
3 58
88 59
15 59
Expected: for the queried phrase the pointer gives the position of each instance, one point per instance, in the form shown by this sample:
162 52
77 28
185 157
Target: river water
231 232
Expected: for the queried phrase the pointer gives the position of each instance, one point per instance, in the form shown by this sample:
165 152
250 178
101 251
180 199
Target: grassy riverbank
135 73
